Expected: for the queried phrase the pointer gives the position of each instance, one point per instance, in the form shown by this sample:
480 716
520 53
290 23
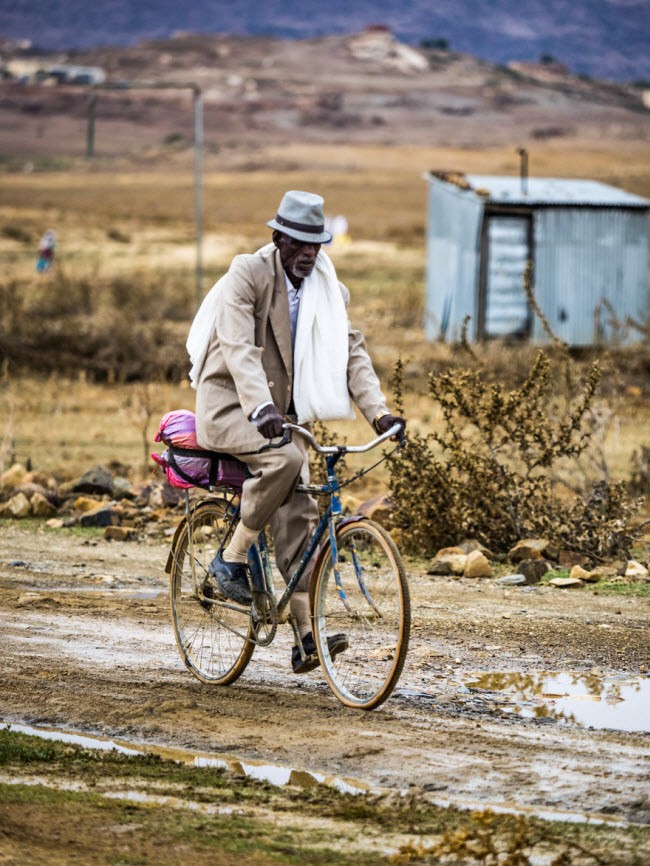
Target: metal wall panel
591 272
453 233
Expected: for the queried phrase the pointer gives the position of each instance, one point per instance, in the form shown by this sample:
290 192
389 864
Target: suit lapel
279 316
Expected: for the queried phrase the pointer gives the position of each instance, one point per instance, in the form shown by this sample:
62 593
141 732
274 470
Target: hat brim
323 237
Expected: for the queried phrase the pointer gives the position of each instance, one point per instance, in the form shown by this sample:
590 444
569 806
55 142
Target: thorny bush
492 469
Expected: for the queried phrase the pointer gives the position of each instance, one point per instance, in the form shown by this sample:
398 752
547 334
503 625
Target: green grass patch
606 586
38 524
622 587
45 825
76 531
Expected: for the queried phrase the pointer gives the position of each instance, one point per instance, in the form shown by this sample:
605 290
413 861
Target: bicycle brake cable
369 469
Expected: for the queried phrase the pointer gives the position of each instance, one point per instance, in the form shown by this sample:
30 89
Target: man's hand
385 422
269 422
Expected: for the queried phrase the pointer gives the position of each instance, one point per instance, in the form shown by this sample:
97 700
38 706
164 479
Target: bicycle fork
359 572
334 552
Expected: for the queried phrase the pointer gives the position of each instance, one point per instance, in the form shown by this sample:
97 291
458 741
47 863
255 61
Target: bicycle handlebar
395 430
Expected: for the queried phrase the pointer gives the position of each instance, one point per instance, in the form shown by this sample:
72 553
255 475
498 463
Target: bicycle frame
358 592
327 523
331 516
333 513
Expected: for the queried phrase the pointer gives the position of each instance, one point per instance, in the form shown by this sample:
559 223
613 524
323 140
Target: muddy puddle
280 776
125 591
260 771
591 700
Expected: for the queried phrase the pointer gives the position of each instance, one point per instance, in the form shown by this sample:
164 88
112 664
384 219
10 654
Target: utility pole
90 128
198 189
523 169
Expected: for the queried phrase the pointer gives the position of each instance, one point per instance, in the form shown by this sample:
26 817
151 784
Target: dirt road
86 644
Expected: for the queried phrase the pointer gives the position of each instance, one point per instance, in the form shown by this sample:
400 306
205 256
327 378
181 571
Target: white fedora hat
300 216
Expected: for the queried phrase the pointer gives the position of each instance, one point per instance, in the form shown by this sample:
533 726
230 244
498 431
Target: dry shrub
16 233
119 329
492 471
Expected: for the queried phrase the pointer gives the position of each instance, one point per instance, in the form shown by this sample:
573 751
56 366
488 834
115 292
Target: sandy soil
87 644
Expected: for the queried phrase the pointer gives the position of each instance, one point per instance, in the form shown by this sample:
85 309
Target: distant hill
363 88
601 38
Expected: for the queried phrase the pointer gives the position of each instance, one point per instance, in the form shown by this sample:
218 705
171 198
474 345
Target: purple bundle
178 430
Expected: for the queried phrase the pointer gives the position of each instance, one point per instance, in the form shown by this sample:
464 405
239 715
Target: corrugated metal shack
587 242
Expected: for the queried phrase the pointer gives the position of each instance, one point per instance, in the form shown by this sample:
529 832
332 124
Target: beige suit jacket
249 358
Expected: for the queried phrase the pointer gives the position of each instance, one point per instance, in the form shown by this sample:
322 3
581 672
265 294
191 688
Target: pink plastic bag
178 428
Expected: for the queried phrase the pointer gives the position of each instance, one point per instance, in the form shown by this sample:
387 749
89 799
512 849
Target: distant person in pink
46 252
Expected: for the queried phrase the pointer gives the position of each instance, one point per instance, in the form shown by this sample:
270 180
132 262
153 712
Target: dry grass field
125 264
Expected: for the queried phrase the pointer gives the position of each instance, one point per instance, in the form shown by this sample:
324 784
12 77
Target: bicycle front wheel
364 596
213 634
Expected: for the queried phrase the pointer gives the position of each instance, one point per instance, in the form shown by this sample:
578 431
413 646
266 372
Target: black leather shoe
336 644
232 578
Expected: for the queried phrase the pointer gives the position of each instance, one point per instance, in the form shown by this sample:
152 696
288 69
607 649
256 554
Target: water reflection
271 773
72 737
589 699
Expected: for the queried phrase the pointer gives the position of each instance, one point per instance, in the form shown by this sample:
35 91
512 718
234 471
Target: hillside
366 88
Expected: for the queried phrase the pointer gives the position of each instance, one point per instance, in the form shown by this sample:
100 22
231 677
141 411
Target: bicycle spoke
366 598
214 637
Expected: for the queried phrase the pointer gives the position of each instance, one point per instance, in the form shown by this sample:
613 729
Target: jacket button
271 384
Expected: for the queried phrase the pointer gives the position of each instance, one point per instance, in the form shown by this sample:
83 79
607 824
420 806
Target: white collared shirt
293 295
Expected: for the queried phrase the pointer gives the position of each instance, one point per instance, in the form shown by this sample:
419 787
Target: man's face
298 258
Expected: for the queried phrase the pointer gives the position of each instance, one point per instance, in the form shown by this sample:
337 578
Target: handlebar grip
286 438
397 432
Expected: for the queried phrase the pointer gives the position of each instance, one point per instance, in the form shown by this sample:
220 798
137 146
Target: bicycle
358 587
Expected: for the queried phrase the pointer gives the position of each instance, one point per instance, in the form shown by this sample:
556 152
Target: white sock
301 610
241 540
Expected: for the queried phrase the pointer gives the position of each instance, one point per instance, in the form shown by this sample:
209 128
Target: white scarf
320 353
200 333
320 387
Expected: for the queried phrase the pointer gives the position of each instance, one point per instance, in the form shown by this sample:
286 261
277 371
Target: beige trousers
269 497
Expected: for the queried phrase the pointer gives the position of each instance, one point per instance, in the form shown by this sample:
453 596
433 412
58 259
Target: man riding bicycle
272 342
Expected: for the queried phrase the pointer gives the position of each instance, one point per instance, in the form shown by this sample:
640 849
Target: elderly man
272 341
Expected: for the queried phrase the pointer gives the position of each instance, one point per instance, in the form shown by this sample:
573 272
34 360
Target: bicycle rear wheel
364 596
213 634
